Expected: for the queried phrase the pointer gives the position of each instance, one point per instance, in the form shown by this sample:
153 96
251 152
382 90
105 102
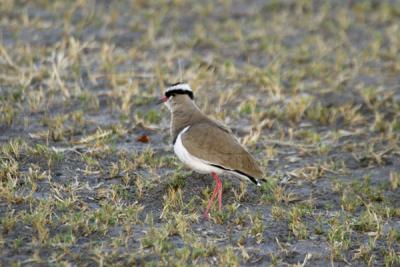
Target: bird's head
175 93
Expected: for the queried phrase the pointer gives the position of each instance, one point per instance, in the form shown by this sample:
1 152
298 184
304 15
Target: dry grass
311 88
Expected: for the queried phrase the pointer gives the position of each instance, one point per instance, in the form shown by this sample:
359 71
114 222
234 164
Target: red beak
162 100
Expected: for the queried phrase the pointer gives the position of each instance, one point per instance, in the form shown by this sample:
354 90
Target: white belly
193 162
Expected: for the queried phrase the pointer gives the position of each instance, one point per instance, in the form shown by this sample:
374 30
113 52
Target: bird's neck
183 116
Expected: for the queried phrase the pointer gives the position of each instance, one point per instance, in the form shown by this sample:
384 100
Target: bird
206 145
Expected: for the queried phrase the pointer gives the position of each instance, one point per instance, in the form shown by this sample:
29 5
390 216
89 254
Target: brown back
211 143
209 140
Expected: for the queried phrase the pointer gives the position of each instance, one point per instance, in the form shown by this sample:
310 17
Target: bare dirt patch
310 87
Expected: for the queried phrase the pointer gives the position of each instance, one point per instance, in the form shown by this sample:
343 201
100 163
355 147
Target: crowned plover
205 145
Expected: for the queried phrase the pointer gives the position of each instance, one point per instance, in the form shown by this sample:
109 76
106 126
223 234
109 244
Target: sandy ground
87 172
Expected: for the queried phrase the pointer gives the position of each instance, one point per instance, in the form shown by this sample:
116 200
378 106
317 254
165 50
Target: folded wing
219 147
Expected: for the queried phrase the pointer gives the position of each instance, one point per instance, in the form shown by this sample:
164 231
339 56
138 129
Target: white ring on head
182 86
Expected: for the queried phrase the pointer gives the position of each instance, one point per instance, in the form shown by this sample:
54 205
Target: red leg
219 185
217 190
211 201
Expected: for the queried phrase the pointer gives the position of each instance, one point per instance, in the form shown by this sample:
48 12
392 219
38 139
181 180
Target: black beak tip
159 101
